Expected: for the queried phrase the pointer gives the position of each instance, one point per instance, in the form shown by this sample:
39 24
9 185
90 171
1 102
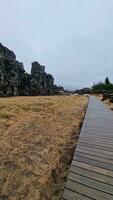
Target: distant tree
107 81
103 87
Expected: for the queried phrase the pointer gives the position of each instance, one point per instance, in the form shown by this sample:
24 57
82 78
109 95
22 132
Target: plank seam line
98 137
98 147
91 170
104 144
97 150
92 155
90 187
101 147
93 165
91 178
96 144
78 193
93 160
101 135
100 128
97 141
82 136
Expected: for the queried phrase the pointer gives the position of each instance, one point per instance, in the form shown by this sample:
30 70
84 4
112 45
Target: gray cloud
74 39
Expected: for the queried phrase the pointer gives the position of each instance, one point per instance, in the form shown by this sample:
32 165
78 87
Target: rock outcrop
14 81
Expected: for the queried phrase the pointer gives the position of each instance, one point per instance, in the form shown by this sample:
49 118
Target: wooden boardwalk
91 172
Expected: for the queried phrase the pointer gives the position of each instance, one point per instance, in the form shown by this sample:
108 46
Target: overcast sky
72 38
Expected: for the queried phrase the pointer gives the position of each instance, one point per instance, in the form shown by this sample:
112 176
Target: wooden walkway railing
91 172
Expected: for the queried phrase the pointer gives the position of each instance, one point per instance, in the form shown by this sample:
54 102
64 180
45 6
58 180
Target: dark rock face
5 53
49 84
37 68
38 80
14 81
11 73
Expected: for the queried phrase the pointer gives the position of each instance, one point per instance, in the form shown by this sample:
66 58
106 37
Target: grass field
37 141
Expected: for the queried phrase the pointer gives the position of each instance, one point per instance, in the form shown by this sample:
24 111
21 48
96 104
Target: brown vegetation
37 140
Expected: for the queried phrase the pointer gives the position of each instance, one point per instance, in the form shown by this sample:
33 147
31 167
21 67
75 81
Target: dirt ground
37 140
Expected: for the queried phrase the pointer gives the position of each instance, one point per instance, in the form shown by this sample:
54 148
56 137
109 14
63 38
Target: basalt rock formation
14 81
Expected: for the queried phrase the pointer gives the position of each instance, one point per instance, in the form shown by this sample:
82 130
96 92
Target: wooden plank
91 183
94 162
100 124
93 175
91 128
93 168
88 191
97 121
97 142
101 134
106 145
95 150
97 138
93 141
97 128
100 127
95 146
85 155
98 131
71 195
110 157
106 139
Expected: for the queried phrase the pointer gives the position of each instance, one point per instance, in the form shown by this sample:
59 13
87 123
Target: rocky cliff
14 81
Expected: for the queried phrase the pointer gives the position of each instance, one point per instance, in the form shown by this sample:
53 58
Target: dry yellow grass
37 139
